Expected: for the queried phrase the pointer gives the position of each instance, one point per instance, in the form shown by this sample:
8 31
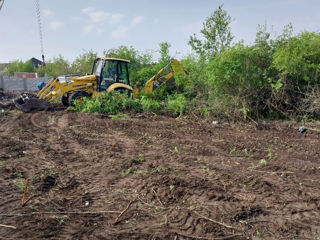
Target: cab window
123 73
109 75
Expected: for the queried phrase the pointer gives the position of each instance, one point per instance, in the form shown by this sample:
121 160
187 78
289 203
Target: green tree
55 67
216 32
83 63
164 53
20 66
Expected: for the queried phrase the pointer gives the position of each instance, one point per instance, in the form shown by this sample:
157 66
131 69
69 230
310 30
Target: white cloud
55 25
75 18
47 13
90 28
120 33
95 16
155 21
115 18
137 20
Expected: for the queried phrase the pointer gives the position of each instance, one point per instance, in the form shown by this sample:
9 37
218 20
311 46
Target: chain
40 27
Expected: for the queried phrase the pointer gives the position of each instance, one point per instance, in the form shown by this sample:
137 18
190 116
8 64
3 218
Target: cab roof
114 59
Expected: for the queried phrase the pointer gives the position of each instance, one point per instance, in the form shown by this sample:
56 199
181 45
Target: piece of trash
302 129
87 203
215 122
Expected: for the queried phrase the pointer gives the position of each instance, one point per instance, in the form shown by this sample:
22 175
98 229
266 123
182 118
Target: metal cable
1 3
40 27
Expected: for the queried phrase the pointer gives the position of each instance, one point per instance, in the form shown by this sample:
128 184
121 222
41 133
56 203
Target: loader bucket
26 103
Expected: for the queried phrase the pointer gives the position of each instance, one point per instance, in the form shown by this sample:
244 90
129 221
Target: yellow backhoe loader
108 74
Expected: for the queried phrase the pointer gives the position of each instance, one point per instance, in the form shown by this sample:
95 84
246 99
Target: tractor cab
110 71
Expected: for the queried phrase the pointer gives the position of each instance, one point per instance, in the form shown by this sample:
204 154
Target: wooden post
25 86
2 82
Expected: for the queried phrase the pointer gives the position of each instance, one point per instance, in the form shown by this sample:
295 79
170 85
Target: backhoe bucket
27 102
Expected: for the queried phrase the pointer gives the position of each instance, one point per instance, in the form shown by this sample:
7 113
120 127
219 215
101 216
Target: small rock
87 203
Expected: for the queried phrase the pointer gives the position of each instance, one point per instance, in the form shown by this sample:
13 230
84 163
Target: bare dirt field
155 177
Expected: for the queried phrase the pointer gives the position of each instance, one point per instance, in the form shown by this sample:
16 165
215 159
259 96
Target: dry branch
123 212
25 192
8 226
214 221
206 238
155 193
65 213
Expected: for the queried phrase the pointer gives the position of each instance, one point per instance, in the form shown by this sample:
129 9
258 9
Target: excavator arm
165 74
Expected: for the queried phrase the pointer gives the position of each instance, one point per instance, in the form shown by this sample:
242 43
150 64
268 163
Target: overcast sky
70 26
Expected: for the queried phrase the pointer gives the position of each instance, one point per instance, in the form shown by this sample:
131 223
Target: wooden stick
66 213
214 221
7 226
25 192
155 193
205 238
123 212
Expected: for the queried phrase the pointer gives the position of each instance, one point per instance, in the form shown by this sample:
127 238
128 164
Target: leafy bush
150 105
177 103
109 103
19 66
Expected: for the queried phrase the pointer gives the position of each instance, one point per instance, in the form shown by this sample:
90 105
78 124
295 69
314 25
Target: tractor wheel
65 100
78 95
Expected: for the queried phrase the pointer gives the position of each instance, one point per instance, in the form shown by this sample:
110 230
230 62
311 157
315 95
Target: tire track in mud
91 156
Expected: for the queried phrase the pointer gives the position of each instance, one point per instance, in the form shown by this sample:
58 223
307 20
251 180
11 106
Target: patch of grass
205 168
270 153
140 159
19 183
160 169
263 162
177 103
119 116
127 172
61 220
233 150
176 149
17 174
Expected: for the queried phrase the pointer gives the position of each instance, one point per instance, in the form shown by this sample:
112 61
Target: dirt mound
92 177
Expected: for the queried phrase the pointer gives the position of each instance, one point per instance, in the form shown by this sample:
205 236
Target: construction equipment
108 74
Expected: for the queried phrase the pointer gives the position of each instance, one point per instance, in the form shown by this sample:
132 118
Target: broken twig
214 221
65 213
25 192
205 238
8 226
123 212
155 193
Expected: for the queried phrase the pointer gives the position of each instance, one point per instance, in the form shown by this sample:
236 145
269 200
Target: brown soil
153 177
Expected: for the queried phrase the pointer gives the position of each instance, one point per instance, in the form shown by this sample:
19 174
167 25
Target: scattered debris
302 129
215 122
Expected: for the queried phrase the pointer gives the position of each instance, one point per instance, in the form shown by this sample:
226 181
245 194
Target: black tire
65 100
76 96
